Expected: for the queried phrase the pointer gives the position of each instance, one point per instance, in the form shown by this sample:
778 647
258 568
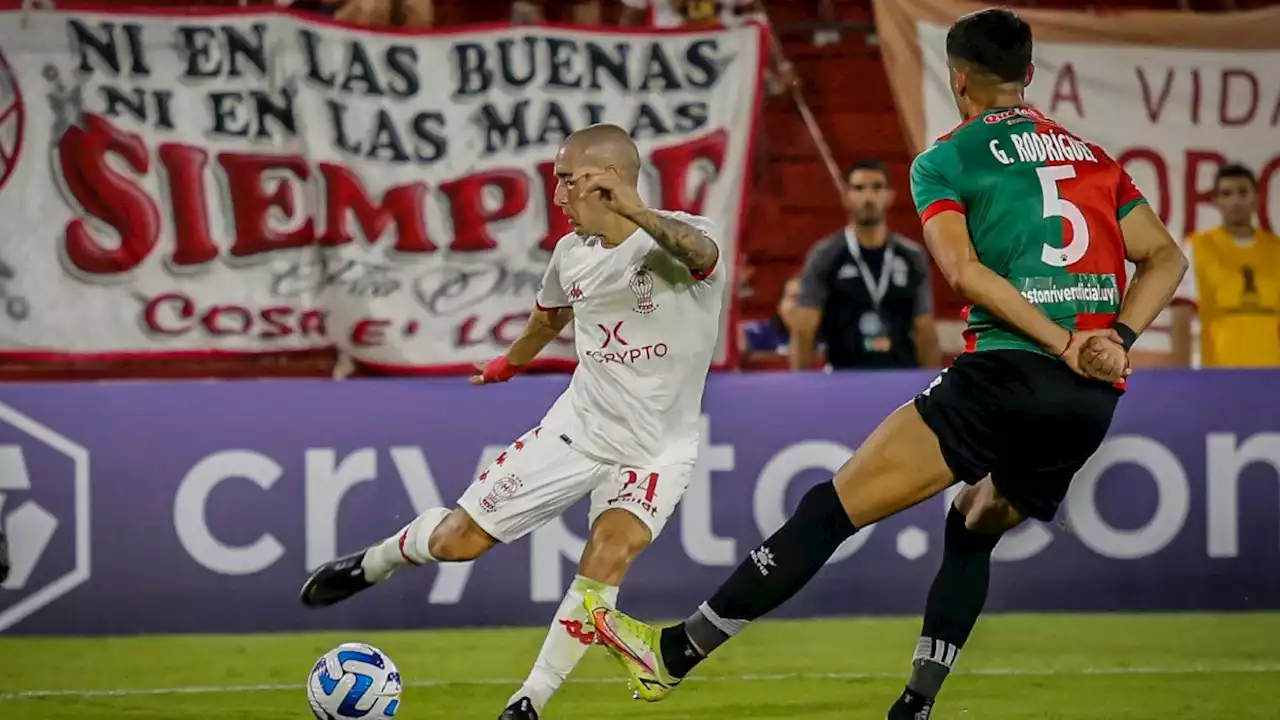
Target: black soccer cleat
521 709
335 581
911 706
4 557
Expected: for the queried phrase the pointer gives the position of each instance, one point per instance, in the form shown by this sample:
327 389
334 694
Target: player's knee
984 510
459 539
964 538
615 542
993 516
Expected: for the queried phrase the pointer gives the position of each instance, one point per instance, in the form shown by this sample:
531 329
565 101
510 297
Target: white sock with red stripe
410 546
571 635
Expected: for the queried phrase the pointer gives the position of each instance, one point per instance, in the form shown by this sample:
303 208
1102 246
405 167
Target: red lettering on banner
1197 184
1161 203
237 320
265 188
470 218
185 310
1241 98
1066 88
1269 171
1192 196
369 332
1224 97
108 195
1154 111
403 205
557 222
675 163
177 314
502 333
275 318
185 166
312 322
465 336
1195 96
252 203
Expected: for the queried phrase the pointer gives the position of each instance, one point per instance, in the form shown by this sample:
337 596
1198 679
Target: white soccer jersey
645 330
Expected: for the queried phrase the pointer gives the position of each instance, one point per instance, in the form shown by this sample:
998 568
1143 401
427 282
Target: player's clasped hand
615 194
1097 354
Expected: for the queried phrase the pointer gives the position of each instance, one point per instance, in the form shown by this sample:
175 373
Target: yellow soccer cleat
635 645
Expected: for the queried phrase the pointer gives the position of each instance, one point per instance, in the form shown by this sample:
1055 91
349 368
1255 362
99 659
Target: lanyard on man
875 335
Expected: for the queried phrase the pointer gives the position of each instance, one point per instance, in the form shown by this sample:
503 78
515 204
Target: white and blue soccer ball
354 680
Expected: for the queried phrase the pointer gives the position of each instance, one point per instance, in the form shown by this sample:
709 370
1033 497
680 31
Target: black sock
769 576
955 601
678 653
911 705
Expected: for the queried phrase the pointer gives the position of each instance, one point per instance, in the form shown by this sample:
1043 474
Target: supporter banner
254 181
200 507
1171 95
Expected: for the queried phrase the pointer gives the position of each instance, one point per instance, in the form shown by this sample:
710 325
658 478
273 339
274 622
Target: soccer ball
354 680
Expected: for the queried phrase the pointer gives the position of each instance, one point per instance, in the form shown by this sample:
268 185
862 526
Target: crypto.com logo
39 467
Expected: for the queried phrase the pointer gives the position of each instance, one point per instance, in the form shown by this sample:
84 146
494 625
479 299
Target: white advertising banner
1172 116
257 181
1173 96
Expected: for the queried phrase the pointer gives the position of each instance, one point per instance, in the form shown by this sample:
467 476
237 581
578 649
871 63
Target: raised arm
686 243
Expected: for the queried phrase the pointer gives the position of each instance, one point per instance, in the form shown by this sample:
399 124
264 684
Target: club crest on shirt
642 285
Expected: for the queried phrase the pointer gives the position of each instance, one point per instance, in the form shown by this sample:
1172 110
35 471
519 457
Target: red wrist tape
499 370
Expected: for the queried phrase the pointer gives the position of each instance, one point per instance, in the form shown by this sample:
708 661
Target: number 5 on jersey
1057 206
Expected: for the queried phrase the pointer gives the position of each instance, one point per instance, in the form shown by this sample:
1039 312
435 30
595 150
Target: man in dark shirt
864 290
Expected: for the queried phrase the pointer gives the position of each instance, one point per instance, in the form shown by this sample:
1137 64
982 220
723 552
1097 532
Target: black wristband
1127 336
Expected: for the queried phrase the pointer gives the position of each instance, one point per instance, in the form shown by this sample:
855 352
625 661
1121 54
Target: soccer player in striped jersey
1032 225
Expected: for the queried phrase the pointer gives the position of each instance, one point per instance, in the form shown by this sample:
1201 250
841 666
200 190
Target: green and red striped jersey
1043 209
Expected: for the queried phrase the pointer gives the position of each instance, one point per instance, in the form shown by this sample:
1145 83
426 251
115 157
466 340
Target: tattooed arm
687 243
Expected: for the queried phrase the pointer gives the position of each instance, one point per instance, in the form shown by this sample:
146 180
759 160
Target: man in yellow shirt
1233 283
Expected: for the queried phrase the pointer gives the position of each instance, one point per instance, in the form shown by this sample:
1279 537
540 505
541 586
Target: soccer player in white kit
644 289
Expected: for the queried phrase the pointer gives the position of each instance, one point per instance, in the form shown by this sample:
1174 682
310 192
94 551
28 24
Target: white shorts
540 475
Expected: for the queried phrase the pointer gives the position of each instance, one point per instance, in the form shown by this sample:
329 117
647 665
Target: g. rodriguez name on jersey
1040 147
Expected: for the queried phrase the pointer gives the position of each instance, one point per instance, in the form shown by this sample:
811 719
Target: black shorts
1023 418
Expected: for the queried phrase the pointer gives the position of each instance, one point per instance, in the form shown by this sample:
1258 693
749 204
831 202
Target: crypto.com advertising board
257 181
194 507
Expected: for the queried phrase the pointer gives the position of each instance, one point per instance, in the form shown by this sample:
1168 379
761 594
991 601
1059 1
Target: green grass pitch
1047 667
